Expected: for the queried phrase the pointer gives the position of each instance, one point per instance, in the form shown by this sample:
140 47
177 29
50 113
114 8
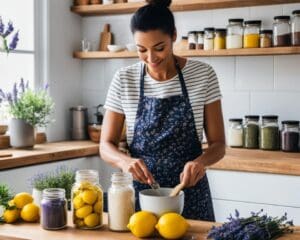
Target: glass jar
265 38
290 136
192 39
121 201
53 209
251 34
234 36
269 133
220 38
251 132
183 44
295 25
200 39
208 38
281 31
235 132
87 200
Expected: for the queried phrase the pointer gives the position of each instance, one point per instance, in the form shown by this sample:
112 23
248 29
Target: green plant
5 196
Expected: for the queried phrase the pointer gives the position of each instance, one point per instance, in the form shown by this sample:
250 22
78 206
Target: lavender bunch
255 227
4 33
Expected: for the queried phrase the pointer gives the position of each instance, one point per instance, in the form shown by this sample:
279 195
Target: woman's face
155 49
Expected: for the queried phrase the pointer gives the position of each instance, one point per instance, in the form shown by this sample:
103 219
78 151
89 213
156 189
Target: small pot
21 134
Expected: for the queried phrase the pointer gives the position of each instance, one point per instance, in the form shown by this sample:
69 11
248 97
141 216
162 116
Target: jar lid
270 117
240 120
253 22
192 32
236 20
296 12
221 30
184 37
284 17
200 32
254 117
290 122
266 31
209 29
78 108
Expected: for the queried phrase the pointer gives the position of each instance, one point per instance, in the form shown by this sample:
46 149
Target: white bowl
131 47
115 48
150 201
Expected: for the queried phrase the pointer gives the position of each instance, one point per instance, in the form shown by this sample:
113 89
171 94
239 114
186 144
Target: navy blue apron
165 137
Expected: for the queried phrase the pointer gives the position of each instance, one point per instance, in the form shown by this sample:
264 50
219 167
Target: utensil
176 189
155 186
105 38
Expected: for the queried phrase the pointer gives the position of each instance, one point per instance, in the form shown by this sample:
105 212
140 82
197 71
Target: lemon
30 212
84 211
89 196
98 207
79 223
172 226
92 220
11 203
142 224
11 216
78 202
21 199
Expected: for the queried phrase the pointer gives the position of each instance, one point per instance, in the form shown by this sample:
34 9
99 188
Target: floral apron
165 137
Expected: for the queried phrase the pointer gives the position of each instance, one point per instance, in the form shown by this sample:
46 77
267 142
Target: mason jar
269 133
209 38
235 132
121 201
53 209
281 31
87 200
220 38
265 38
290 136
192 39
200 39
251 34
295 25
234 36
251 132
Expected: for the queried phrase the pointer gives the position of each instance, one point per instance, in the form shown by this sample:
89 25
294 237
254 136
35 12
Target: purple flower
22 86
1 26
9 98
14 41
9 30
46 86
15 93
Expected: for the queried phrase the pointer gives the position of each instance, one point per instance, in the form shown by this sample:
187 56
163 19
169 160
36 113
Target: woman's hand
192 172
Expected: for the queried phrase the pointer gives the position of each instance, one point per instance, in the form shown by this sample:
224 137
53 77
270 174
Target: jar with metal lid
234 36
183 44
209 38
87 200
269 133
53 209
265 38
281 31
251 132
235 132
251 34
295 25
220 38
121 201
290 133
192 39
200 39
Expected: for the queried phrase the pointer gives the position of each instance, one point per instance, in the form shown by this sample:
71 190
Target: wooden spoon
176 190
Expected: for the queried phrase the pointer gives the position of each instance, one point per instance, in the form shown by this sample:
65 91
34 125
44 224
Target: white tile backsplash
221 16
266 14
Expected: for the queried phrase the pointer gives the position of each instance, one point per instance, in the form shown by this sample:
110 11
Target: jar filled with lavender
269 133
290 136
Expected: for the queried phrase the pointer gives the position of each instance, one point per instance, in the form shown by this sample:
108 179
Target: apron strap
142 80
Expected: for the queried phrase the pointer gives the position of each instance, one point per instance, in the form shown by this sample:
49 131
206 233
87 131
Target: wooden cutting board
2 155
2 237
105 38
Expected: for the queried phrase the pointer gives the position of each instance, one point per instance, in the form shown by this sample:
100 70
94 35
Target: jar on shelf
281 31
107 2
265 38
53 209
234 36
295 25
235 132
251 132
192 39
220 38
87 200
251 34
183 44
269 133
200 39
208 38
121 201
290 133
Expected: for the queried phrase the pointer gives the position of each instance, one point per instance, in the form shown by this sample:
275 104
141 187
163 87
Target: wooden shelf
197 53
177 5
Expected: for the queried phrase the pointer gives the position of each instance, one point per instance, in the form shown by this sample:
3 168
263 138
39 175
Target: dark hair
156 15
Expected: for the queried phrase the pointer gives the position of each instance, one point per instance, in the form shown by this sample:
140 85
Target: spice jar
269 133
53 209
220 38
107 2
251 34
183 44
281 31
290 136
192 39
200 39
295 25
251 132
235 132
265 38
87 200
121 201
208 38
234 36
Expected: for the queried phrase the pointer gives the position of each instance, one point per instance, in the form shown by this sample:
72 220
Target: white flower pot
37 196
21 134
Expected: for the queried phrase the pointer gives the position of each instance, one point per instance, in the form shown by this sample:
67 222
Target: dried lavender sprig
14 41
22 86
15 93
9 30
1 26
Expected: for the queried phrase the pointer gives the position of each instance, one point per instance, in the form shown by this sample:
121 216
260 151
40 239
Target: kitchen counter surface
236 159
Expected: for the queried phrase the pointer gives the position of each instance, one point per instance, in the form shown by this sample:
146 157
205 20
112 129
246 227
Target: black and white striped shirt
201 83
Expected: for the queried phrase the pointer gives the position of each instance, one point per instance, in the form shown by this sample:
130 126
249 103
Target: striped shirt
200 80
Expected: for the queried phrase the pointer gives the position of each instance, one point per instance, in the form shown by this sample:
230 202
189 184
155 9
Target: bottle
192 39
208 38
235 132
251 34
251 132
269 133
265 38
290 136
87 200
200 39
53 209
295 25
220 38
281 31
234 37
121 201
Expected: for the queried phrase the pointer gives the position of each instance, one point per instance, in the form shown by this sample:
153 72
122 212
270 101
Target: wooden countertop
236 159
23 231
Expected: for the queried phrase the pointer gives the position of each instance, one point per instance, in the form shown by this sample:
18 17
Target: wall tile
289 8
220 16
266 14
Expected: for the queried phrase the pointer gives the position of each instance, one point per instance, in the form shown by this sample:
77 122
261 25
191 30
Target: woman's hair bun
159 3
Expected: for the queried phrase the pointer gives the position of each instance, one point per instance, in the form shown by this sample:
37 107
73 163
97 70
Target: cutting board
2 237
5 155
105 38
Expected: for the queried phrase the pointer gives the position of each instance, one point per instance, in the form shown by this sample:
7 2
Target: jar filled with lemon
87 200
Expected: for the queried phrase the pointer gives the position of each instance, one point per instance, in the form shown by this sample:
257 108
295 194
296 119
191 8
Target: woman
166 101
